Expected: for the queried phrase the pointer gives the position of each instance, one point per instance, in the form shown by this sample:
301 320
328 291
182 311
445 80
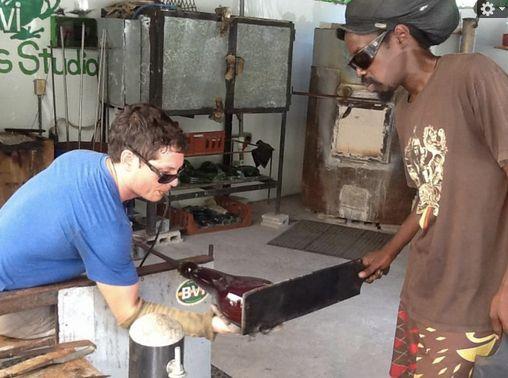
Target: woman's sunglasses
164 178
364 58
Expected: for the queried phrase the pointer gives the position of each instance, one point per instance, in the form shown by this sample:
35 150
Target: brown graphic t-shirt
454 139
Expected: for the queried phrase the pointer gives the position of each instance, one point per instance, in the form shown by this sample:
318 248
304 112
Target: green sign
17 15
188 293
29 58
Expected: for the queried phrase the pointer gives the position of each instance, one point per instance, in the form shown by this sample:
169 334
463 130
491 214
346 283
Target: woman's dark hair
145 128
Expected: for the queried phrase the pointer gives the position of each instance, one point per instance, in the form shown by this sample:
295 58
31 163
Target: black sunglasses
364 58
164 178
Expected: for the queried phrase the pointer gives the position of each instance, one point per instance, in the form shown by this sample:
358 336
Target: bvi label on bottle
189 294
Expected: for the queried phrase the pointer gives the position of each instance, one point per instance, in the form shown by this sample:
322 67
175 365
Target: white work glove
221 325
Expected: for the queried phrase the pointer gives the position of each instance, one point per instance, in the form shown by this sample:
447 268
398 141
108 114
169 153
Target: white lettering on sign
193 291
189 293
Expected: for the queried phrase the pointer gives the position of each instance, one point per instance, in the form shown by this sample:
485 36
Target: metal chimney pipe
467 40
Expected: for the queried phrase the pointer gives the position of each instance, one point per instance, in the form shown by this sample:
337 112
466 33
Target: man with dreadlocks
452 123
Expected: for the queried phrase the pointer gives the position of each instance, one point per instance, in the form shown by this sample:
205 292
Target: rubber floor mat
218 373
330 239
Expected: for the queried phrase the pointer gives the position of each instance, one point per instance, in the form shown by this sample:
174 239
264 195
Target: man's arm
126 306
123 301
378 262
499 305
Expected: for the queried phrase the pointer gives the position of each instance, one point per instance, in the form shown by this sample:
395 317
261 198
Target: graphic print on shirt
425 160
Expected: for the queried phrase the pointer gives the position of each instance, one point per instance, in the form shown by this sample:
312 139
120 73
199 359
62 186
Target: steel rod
281 162
53 89
81 64
317 95
240 133
66 97
103 86
100 78
39 112
223 191
105 101
270 174
228 130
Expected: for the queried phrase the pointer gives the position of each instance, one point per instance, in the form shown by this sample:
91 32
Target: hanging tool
225 15
40 91
105 78
66 98
81 64
53 91
57 354
100 78
14 350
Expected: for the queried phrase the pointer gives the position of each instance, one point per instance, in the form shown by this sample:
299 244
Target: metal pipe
39 112
316 95
242 8
103 86
240 133
81 64
468 33
99 78
270 174
53 89
97 105
281 162
228 146
105 111
66 98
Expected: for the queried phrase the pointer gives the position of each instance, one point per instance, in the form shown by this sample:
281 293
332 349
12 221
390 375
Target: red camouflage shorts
421 350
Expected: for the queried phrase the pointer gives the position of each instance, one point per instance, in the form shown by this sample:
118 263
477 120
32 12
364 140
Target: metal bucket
152 343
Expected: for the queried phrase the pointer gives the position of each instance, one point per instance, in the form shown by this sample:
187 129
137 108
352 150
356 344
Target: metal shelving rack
188 41
232 107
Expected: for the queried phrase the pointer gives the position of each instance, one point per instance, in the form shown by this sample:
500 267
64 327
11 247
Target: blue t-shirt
65 221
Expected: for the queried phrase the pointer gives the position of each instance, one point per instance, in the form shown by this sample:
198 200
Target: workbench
73 369
84 315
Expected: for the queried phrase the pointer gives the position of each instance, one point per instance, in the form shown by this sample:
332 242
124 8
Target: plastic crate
184 220
209 142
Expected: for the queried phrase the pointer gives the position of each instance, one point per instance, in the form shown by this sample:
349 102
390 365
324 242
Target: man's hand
221 324
499 311
377 264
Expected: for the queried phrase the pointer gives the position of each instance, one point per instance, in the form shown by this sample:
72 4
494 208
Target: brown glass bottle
226 289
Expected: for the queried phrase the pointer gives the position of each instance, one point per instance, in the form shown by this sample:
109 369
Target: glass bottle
226 289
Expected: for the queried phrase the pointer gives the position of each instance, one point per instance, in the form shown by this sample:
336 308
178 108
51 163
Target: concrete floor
349 339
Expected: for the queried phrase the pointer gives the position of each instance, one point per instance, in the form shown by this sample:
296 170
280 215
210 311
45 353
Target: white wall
488 35
18 104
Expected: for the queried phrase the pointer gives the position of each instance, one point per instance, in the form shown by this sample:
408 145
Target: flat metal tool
267 307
